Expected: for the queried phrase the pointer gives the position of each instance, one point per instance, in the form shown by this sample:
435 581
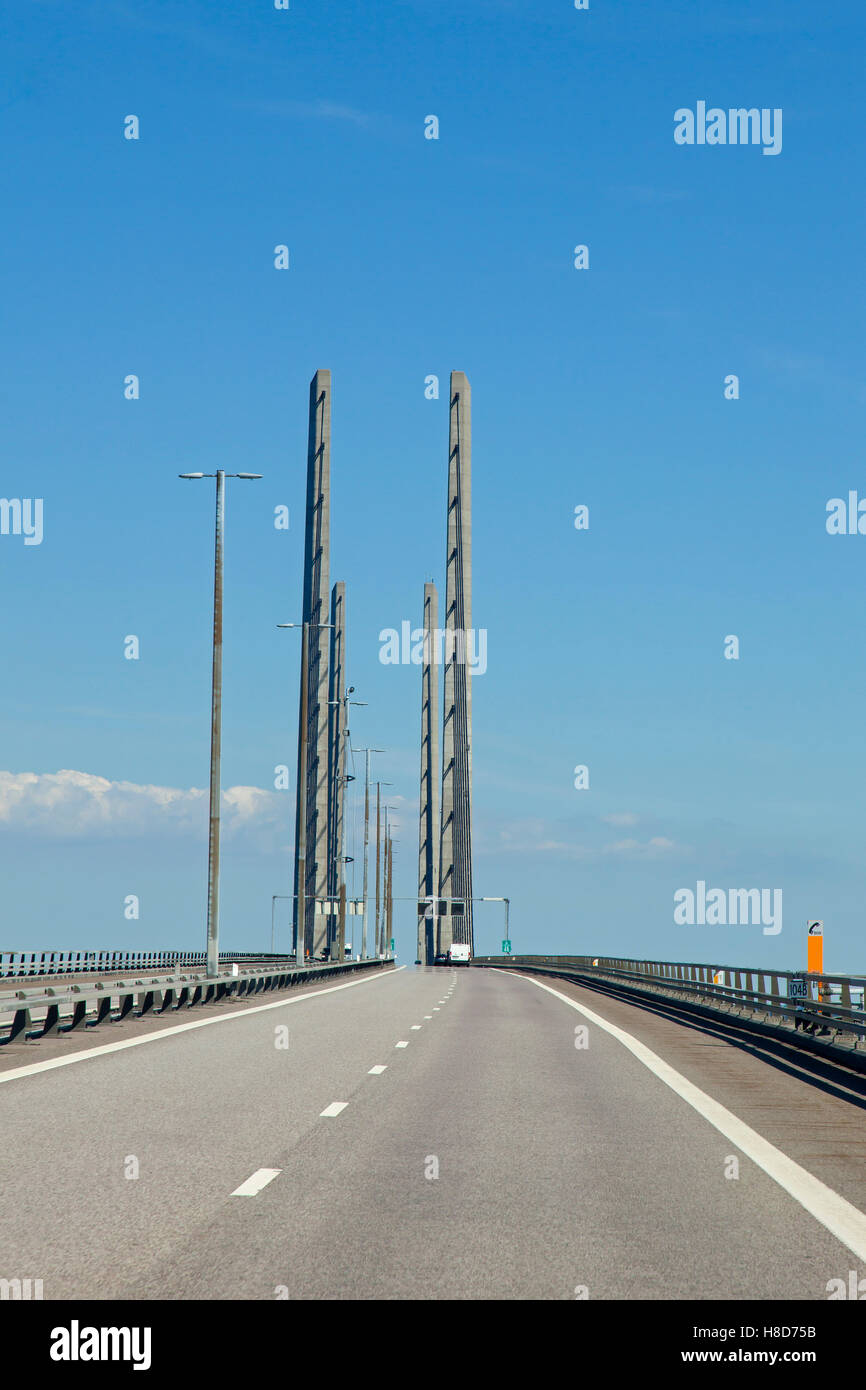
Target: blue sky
603 387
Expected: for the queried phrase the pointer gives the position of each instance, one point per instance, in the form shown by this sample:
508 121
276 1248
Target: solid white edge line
335 1108
253 1186
843 1220
51 1063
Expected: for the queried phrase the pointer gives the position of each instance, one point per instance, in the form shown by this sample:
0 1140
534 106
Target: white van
459 954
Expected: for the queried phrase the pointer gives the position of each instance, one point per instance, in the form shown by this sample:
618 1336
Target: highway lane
194 1108
560 1169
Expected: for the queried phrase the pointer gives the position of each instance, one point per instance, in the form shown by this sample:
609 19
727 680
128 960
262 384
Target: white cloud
637 849
318 110
536 837
79 805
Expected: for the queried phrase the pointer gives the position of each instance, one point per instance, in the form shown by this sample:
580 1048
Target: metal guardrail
826 1007
18 964
85 1006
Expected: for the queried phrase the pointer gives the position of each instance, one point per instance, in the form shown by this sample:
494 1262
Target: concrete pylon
336 756
429 830
455 854
315 613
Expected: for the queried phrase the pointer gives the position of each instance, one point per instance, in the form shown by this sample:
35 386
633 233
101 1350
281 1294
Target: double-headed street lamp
213 856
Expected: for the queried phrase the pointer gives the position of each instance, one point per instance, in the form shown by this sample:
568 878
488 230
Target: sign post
815 947
815 955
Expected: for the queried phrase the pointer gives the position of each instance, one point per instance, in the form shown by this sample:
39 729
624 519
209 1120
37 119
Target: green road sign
506 948
392 944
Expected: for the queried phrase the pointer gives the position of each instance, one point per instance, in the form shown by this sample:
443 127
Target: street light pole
367 751
385 926
498 900
377 931
213 847
343 773
213 850
390 931
274 898
376 927
366 845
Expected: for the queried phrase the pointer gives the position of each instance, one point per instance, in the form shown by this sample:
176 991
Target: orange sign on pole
815 948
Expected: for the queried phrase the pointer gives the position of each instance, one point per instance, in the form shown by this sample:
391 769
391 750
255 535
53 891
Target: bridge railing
26 1015
825 1003
20 964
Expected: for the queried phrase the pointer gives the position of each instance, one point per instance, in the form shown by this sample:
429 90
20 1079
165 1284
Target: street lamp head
193 475
247 475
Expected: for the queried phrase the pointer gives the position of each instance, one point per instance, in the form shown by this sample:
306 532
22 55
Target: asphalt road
491 1158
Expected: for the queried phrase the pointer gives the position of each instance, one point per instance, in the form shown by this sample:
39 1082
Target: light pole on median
379 786
344 777
213 853
368 751
301 801
387 905
274 897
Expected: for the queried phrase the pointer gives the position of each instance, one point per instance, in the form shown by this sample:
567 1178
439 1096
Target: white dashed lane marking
34 1068
260 1178
401 1044
333 1109
376 1071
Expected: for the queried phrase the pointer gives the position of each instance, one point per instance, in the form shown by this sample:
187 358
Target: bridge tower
429 830
312 800
455 855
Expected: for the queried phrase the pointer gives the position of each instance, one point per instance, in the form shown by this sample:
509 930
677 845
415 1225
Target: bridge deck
558 1166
